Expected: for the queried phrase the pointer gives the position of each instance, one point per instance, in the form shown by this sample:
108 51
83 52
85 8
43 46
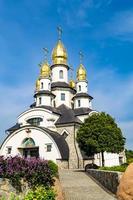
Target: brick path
77 185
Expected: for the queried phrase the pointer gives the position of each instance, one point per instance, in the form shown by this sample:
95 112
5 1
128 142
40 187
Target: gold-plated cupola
72 84
38 84
45 71
81 72
59 53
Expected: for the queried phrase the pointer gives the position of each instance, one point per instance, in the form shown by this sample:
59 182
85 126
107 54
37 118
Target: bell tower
82 99
43 95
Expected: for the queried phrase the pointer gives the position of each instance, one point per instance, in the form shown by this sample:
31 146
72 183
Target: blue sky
102 29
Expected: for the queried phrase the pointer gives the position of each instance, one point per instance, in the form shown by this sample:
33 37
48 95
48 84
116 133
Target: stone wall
6 188
63 164
108 179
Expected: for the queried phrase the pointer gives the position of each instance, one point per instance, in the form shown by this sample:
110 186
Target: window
40 100
28 142
61 74
9 149
49 86
49 147
62 97
79 87
41 85
79 103
72 104
35 121
120 160
65 134
54 103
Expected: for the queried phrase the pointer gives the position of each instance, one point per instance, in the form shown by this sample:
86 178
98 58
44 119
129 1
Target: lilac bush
34 171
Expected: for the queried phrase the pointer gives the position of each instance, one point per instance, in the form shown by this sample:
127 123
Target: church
48 128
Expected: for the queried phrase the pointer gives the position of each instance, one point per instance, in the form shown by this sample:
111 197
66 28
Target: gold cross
40 64
45 54
81 56
59 29
71 68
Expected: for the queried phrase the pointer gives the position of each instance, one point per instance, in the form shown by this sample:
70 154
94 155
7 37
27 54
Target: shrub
33 170
120 168
40 193
53 167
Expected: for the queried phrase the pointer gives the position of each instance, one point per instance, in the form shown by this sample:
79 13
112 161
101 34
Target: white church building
48 128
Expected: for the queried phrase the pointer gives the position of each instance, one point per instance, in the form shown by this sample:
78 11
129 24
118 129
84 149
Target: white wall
48 117
40 138
110 159
68 97
84 86
46 100
46 84
84 102
55 74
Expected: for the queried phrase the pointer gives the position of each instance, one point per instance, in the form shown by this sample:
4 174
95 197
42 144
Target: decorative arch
61 74
28 142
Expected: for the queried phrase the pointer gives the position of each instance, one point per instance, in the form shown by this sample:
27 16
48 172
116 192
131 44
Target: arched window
40 100
28 142
65 134
49 86
79 87
62 96
61 74
35 121
79 103
41 85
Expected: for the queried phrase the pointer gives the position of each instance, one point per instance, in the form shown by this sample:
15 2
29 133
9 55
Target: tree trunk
102 158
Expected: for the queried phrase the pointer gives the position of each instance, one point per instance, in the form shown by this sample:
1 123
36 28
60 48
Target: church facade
48 128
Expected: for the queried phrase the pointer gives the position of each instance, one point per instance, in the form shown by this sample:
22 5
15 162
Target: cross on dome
81 56
71 68
59 29
45 54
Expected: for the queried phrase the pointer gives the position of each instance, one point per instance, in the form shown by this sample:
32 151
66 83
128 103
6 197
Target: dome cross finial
59 29
71 74
45 54
81 56
40 64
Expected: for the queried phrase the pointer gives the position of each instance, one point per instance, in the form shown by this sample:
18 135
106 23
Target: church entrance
31 152
28 148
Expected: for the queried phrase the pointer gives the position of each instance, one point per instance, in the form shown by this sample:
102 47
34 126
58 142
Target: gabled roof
47 92
62 85
83 95
53 109
67 116
13 128
82 111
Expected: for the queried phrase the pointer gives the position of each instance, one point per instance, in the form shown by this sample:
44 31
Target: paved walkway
77 185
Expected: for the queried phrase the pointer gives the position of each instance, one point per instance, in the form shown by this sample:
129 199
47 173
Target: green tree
100 133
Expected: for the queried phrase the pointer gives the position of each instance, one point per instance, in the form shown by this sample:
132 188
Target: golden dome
59 54
81 73
37 84
45 70
72 83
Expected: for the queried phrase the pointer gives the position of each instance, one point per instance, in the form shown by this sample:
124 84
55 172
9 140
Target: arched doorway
29 149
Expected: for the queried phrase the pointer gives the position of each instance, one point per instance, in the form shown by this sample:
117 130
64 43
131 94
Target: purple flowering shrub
34 171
